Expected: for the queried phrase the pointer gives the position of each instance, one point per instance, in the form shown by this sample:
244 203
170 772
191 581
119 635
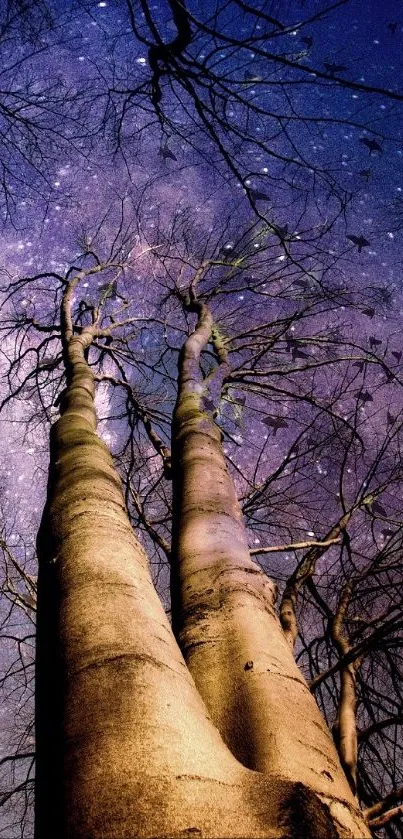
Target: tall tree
110 675
288 399
114 754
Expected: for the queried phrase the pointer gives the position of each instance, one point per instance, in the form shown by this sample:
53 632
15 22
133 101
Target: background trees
307 391
40 109
274 100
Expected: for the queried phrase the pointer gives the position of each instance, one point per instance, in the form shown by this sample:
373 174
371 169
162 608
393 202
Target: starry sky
296 139
301 163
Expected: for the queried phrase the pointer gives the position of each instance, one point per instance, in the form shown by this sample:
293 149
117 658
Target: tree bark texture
126 747
225 621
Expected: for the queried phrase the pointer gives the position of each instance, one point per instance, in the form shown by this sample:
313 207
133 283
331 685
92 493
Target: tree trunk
125 745
345 727
225 621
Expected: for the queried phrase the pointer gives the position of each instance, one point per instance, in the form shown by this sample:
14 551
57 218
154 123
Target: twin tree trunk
214 734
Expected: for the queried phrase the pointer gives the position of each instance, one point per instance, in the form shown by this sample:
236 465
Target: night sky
84 178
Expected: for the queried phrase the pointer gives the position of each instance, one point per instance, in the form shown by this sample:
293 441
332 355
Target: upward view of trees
202 401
